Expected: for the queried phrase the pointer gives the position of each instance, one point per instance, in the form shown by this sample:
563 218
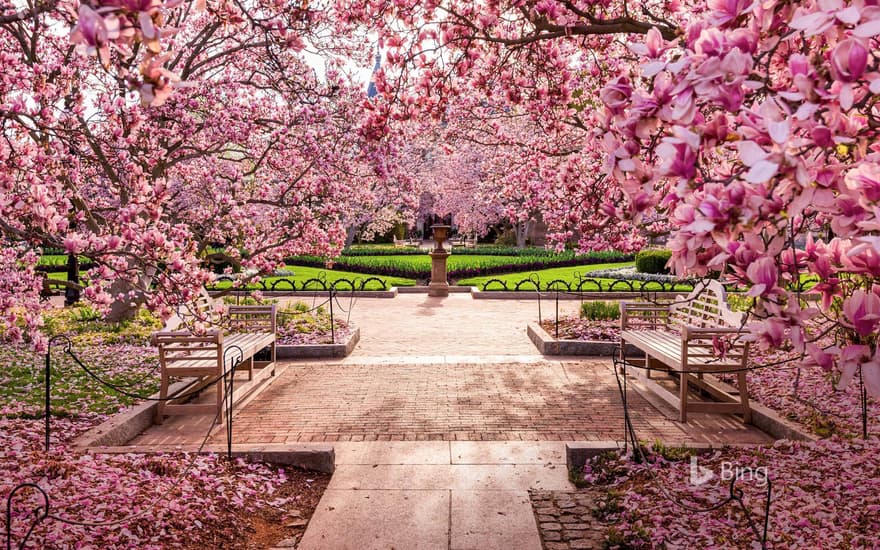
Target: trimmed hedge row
519 264
653 260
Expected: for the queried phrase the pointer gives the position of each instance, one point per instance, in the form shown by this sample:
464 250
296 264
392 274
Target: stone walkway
442 420
435 495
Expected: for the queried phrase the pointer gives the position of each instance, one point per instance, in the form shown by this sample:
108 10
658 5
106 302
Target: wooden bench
687 338
209 356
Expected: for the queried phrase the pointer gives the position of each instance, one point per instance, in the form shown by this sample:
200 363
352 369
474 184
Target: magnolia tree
499 163
750 126
384 190
457 183
247 163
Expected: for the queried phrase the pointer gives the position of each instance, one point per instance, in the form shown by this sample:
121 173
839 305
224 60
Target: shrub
507 238
600 311
652 260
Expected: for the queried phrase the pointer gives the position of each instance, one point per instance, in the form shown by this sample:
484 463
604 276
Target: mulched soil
279 526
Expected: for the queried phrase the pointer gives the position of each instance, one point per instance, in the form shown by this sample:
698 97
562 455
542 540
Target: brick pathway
449 369
545 400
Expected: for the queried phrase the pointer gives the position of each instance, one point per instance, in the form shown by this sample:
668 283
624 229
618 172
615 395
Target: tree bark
522 233
126 308
71 293
350 234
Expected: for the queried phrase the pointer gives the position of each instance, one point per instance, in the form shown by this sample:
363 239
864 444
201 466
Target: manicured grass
545 275
568 274
302 274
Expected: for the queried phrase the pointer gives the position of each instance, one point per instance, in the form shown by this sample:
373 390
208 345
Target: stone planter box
548 345
318 351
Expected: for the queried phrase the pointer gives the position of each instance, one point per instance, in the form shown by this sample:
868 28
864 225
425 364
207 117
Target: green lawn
568 274
302 274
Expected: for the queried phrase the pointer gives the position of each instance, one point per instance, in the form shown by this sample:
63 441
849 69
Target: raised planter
548 345
318 351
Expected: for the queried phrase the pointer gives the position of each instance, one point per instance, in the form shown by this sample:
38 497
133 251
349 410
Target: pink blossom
763 274
862 311
848 60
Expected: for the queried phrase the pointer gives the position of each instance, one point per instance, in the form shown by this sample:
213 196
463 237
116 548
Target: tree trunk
71 293
522 233
126 309
350 234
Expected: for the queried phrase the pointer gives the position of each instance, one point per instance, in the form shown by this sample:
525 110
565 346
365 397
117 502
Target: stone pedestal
439 286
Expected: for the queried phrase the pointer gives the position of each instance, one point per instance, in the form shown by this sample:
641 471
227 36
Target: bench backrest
199 310
705 307
252 319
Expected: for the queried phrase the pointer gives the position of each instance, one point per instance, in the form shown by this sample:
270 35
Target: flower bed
299 324
173 500
825 495
574 328
816 404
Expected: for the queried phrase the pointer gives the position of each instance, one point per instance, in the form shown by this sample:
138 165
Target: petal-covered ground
171 500
573 328
157 501
824 495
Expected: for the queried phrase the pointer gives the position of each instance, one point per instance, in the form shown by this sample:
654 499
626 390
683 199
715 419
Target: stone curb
317 351
548 345
425 289
319 458
390 293
123 427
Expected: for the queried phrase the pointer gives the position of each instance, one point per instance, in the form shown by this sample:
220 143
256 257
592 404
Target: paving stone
504 477
551 526
583 544
551 535
361 520
493 519
569 519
